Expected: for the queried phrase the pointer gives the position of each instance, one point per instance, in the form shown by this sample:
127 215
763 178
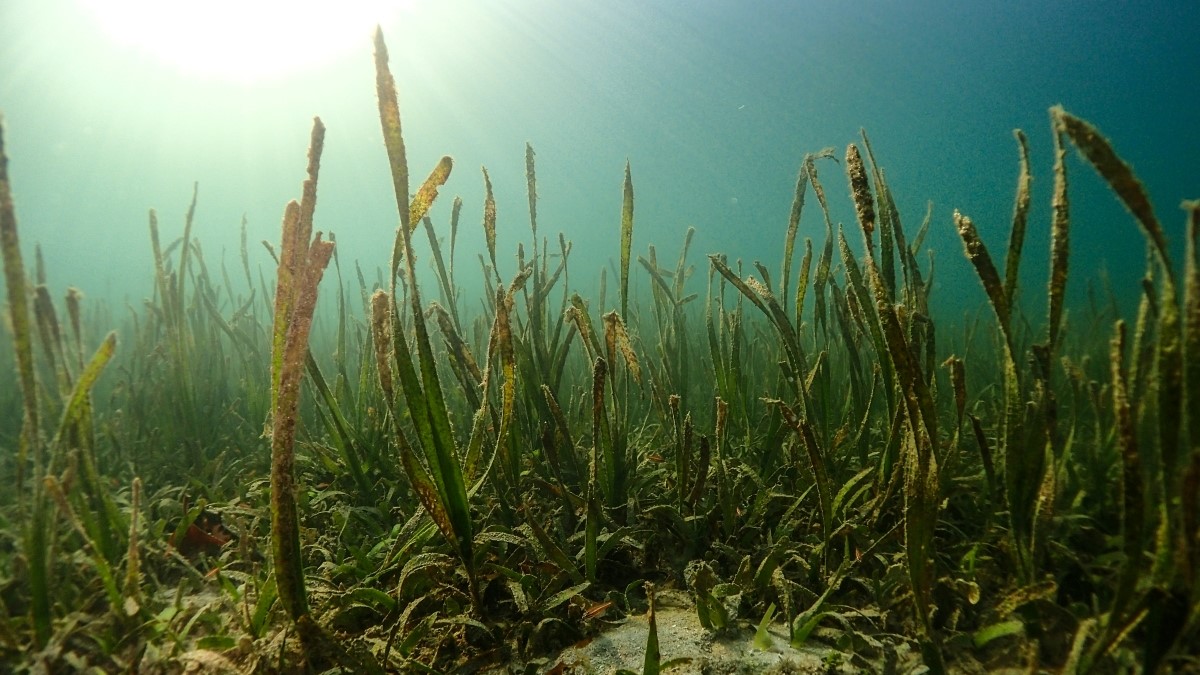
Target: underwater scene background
771 388
713 103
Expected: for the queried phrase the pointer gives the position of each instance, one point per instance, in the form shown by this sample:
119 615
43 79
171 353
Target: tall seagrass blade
626 238
442 486
301 265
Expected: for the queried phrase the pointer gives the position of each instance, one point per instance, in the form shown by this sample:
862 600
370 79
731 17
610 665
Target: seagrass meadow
436 478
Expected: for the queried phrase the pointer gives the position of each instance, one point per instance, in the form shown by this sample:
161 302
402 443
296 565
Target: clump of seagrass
18 303
439 481
69 451
1156 581
301 265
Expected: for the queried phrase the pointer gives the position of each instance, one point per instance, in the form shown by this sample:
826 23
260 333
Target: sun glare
243 40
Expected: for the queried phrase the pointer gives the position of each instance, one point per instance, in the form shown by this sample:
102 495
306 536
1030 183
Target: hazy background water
713 103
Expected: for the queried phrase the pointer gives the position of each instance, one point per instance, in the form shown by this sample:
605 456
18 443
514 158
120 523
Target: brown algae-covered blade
618 337
1060 225
860 191
1132 493
626 238
802 282
858 287
593 515
531 188
1016 238
1119 176
1191 341
820 320
888 221
381 334
389 120
302 264
455 212
979 257
789 242
429 191
489 220
1191 322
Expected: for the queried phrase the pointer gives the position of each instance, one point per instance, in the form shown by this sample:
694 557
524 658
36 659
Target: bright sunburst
244 40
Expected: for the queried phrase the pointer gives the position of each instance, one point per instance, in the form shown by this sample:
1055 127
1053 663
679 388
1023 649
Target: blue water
713 103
